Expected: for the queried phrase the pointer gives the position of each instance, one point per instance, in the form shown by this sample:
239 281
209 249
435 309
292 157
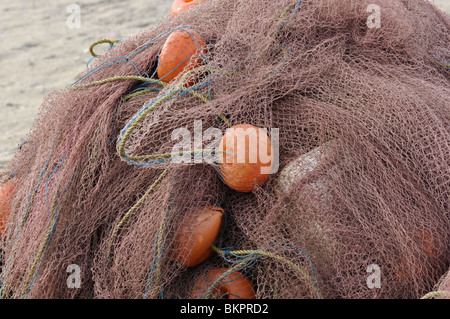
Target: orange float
179 6
180 53
195 238
6 192
233 286
247 157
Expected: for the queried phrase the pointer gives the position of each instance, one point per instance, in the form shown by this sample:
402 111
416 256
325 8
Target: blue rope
292 14
58 166
447 67
249 265
179 92
252 256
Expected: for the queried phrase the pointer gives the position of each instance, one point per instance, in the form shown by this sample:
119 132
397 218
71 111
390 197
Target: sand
40 52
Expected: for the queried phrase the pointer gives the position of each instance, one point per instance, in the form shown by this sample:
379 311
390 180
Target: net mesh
363 146
442 287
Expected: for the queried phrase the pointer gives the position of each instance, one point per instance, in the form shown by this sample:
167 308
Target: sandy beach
43 49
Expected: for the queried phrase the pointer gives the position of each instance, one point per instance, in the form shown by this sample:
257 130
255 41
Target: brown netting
443 287
364 156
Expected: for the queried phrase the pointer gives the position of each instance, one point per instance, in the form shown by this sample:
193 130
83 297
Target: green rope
132 209
40 252
181 153
441 64
283 14
434 294
273 256
142 92
120 78
143 115
93 45
139 119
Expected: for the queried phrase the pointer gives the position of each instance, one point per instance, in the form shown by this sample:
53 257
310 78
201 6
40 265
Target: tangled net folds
364 157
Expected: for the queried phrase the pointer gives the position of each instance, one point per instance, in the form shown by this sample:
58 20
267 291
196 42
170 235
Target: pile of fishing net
359 122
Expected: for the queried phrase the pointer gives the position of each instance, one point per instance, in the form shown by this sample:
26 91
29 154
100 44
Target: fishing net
360 120
442 288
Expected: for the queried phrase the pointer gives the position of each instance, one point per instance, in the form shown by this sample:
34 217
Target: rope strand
262 253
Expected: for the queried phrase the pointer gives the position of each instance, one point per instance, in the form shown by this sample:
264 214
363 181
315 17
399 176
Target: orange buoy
6 192
248 159
181 52
233 286
179 6
195 238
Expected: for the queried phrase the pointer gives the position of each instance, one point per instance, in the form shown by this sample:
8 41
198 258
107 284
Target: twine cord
132 209
262 253
433 294
111 42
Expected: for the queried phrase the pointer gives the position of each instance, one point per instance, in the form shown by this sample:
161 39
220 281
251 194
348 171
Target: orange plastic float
181 52
179 6
195 239
6 192
248 158
233 286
